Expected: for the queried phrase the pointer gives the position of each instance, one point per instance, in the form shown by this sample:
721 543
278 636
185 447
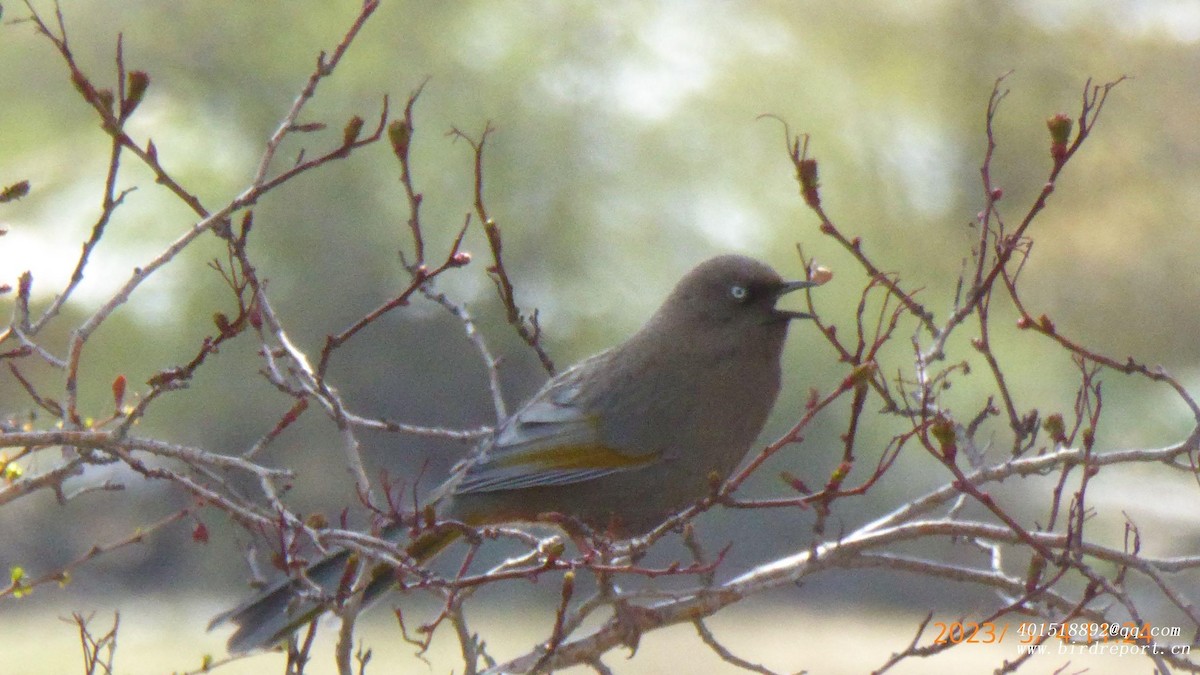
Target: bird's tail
275 613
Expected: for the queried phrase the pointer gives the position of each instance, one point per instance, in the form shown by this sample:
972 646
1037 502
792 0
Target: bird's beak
788 287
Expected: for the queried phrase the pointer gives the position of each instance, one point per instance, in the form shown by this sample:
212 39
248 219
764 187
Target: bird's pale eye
739 292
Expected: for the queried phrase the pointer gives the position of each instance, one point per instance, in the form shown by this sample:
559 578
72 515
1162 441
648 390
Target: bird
619 442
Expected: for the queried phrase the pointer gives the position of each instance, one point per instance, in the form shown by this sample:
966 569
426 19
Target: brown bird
619 442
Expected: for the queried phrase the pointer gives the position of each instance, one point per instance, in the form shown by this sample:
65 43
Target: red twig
527 327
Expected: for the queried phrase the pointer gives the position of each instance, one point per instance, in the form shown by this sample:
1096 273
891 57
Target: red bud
223 324
1060 128
352 130
14 192
254 316
118 390
400 134
1060 134
806 171
1056 427
135 90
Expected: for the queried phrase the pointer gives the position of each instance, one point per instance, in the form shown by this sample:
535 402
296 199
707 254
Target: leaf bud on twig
1060 133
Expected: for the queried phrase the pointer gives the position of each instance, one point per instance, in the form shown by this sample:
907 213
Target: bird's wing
552 440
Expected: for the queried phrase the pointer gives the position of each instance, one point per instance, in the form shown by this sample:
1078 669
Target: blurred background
628 148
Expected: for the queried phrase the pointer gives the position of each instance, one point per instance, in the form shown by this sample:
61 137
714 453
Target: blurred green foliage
629 146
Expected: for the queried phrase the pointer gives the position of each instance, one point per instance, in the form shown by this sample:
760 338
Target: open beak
788 287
